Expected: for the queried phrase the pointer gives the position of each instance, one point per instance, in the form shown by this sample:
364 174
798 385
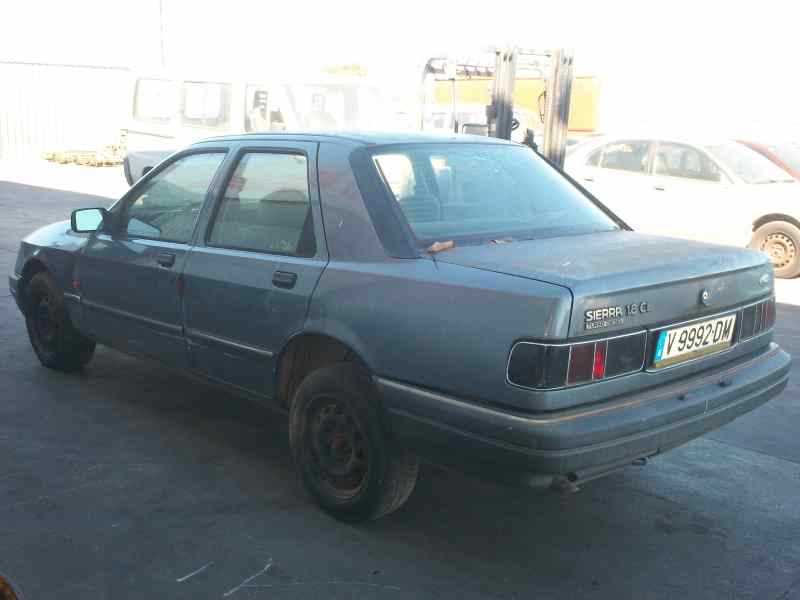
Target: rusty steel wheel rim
338 448
46 323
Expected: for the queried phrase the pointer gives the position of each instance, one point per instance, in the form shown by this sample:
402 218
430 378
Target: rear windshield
484 192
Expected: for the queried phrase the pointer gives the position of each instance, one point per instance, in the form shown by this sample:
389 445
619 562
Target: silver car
707 190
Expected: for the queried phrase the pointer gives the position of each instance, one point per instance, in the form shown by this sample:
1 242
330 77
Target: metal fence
52 107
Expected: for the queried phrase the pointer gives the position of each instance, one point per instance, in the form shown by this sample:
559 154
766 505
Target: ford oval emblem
705 297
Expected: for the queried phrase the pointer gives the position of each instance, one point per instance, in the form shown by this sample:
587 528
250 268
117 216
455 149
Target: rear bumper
586 441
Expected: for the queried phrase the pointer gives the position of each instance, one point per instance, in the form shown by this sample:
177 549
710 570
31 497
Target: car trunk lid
622 281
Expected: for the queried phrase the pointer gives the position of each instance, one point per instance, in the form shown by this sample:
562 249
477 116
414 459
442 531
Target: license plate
688 342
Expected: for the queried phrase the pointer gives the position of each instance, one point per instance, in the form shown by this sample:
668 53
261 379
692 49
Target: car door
128 277
691 196
249 280
618 174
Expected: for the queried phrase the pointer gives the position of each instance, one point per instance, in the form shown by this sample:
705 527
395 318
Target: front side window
266 206
167 205
678 160
205 104
154 100
484 192
626 156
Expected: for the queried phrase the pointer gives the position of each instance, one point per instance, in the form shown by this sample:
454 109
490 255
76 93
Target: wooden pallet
108 156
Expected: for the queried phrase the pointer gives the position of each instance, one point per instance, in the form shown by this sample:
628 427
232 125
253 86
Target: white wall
53 108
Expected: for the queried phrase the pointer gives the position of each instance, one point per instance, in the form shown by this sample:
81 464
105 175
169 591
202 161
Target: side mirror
88 220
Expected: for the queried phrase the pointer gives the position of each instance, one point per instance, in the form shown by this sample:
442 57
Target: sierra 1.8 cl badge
608 316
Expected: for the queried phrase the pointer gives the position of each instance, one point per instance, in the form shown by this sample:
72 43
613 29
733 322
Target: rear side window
626 156
205 104
266 206
678 160
154 100
167 206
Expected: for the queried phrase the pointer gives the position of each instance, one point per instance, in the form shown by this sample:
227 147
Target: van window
205 104
154 100
262 110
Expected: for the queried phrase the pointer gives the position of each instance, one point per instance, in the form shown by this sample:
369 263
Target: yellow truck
473 91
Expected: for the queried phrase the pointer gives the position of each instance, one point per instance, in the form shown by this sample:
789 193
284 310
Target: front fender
53 247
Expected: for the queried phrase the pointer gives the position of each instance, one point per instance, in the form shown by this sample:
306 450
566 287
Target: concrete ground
131 481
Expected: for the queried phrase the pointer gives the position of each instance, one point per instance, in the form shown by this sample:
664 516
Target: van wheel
350 466
54 339
781 241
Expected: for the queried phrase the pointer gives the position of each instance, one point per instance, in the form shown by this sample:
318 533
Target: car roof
691 139
364 138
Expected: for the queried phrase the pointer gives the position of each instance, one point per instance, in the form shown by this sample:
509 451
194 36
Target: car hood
57 235
663 277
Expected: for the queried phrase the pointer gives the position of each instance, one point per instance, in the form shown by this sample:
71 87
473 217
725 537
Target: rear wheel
349 465
781 241
57 344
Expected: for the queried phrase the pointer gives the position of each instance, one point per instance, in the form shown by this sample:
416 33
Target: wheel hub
46 320
780 248
339 448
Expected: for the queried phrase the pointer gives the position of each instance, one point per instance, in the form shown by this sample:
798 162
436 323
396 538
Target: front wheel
54 339
780 240
349 465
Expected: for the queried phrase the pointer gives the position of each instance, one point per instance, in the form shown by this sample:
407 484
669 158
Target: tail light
757 318
548 366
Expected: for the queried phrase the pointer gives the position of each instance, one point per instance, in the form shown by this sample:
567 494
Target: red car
785 155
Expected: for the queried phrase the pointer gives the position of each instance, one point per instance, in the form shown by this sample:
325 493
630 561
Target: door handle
659 187
588 178
165 259
284 279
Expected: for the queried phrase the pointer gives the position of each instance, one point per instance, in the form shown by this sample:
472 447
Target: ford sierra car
405 297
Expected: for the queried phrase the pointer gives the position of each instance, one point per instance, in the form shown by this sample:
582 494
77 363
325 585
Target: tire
55 340
781 241
353 470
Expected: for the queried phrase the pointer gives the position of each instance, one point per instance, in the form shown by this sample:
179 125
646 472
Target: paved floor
130 481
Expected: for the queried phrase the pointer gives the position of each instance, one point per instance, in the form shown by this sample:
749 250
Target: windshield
335 107
748 164
788 153
485 192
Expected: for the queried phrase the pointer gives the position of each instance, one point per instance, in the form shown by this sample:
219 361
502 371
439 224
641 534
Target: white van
169 112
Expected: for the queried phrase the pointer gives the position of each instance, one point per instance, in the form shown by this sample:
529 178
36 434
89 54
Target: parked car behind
784 154
404 296
709 190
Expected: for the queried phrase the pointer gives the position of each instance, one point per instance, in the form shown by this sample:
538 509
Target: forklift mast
555 66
